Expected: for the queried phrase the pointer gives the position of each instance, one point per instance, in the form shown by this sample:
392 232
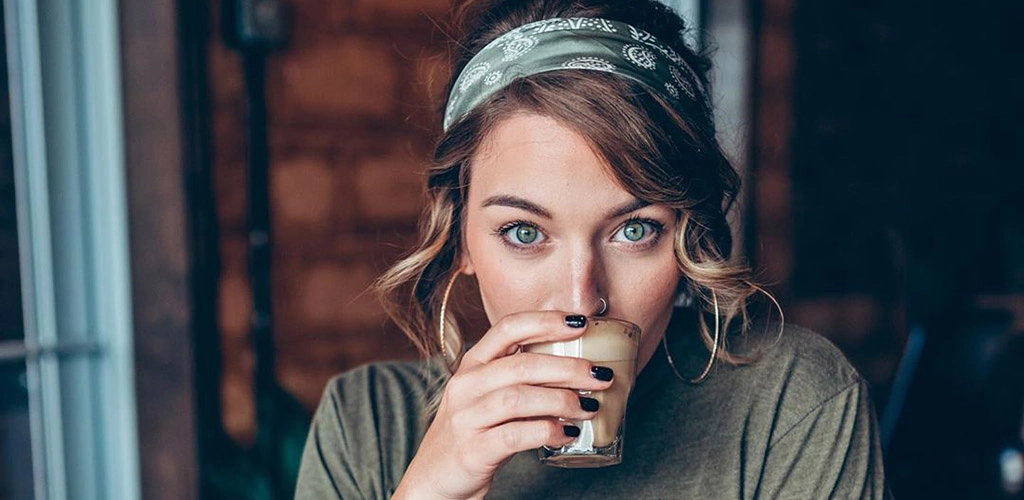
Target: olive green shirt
795 424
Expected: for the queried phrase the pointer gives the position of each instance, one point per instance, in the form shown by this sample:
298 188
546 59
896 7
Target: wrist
410 489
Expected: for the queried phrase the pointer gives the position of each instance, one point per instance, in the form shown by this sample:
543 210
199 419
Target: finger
506 440
530 402
505 337
535 369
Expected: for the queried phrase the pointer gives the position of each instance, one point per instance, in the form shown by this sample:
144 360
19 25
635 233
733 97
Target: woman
578 175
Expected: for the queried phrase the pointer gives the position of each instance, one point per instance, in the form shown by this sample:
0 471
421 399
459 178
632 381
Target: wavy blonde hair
660 153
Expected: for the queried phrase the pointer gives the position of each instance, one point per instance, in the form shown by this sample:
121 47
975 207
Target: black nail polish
602 373
589 404
576 320
571 431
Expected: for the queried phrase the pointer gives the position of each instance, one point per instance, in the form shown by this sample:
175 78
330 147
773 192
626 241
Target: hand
500 402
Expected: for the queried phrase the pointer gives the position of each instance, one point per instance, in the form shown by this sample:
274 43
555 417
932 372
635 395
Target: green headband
573 43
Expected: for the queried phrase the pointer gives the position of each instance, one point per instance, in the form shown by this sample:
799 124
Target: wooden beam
162 306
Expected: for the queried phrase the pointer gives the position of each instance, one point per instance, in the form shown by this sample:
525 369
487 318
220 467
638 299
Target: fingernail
571 431
602 373
589 404
576 320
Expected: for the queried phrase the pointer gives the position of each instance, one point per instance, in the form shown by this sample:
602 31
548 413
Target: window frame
68 150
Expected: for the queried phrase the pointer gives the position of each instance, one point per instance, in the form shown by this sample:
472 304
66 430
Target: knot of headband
573 43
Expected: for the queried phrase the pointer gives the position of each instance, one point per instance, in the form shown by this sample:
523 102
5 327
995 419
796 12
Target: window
66 356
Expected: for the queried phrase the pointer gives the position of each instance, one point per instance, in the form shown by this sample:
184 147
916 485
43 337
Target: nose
587 283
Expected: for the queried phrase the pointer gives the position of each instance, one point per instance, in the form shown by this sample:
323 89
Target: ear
466 263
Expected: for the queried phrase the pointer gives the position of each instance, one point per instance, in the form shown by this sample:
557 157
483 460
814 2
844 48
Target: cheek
507 285
647 296
645 290
504 289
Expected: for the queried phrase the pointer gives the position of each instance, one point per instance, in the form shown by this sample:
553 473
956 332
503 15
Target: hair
659 152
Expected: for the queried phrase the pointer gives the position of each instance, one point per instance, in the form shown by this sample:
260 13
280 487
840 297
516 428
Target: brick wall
351 124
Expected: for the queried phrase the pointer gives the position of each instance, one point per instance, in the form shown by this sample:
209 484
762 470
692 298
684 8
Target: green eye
634 231
526 234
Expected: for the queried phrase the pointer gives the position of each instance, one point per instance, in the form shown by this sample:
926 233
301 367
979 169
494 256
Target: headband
573 43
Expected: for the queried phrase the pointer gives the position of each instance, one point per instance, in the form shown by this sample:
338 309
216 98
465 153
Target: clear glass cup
607 342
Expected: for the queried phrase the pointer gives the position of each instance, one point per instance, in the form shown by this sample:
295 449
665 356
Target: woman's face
548 228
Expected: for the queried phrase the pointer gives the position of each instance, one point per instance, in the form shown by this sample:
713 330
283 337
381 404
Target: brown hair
660 153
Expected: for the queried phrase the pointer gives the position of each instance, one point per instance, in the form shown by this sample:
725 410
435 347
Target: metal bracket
15 350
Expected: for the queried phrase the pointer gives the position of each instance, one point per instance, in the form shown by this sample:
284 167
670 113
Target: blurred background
195 196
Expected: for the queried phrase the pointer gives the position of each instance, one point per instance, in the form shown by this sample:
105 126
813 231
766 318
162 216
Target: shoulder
386 378
805 357
366 429
400 387
820 434
795 355
795 371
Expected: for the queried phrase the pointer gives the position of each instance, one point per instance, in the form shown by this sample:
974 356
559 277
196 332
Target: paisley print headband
573 43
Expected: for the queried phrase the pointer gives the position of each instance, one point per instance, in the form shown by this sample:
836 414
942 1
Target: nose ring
604 307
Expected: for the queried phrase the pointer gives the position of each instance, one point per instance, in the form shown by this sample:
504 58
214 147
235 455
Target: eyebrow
507 200
626 208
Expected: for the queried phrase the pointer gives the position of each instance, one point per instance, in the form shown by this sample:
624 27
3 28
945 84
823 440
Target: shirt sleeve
325 471
831 452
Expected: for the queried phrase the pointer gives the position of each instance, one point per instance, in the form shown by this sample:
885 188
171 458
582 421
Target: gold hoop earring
714 349
441 325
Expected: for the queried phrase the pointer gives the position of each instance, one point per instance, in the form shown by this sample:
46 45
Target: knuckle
458 390
512 398
460 420
511 438
529 320
581 372
570 402
501 328
509 323
453 388
520 366
553 431
468 458
580 365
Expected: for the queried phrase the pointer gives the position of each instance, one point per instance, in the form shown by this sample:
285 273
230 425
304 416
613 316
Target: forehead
538 158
